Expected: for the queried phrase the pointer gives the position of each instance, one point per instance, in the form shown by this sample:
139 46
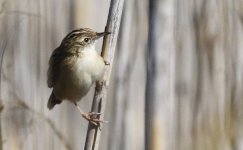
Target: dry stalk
108 51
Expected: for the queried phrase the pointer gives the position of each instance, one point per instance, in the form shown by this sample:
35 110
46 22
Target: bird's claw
107 63
93 118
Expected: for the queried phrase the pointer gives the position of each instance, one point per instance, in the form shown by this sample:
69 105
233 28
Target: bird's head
82 38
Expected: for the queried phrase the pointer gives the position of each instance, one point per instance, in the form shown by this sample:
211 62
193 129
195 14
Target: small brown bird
73 67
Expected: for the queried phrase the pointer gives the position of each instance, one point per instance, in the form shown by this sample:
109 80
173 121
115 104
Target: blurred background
177 79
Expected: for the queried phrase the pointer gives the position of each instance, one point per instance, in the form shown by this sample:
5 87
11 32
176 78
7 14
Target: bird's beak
101 34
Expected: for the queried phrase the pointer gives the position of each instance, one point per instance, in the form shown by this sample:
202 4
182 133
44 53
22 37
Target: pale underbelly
76 79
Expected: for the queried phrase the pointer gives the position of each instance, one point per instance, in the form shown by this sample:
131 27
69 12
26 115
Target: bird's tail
53 100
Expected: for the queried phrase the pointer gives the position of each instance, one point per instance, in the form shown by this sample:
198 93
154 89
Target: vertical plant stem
2 52
108 52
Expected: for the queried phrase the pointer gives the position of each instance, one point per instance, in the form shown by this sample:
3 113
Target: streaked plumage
74 66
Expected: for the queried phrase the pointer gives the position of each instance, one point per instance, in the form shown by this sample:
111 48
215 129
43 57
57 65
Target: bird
74 67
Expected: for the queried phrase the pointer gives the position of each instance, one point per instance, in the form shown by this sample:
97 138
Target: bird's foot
99 85
107 63
93 118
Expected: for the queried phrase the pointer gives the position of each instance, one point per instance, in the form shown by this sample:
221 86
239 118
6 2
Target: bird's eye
86 40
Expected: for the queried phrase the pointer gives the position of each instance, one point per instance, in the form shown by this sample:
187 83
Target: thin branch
108 52
3 46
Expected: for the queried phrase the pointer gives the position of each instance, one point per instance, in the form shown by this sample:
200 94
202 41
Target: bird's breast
91 64
79 74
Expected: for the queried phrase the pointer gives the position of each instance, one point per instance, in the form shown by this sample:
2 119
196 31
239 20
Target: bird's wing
54 67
